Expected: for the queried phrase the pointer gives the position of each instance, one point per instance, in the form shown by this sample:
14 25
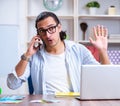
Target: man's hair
45 15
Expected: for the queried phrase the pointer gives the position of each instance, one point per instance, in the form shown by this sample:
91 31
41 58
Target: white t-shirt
56 76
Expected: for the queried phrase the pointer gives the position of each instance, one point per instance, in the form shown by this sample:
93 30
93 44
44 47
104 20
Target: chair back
30 85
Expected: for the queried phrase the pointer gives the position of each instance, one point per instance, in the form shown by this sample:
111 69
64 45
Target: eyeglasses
50 30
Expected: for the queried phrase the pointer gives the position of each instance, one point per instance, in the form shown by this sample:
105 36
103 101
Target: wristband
25 58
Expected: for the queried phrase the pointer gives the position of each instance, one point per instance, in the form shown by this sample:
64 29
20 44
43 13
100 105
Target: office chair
30 85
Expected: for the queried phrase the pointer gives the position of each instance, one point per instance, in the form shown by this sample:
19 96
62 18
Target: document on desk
45 101
11 99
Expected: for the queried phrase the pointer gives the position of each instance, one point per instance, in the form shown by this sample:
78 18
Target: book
60 94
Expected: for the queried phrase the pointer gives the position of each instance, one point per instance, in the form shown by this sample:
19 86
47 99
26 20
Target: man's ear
59 27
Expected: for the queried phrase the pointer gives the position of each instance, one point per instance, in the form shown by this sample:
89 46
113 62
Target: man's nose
48 34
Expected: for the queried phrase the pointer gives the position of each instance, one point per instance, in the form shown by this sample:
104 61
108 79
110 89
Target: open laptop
100 82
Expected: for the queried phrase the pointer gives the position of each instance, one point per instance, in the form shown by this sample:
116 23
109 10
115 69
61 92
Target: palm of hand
100 42
100 38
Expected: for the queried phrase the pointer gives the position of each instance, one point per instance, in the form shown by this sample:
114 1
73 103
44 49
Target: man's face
49 31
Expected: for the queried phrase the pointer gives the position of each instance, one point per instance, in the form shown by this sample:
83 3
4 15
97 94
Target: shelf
114 41
84 41
109 41
61 17
99 16
66 17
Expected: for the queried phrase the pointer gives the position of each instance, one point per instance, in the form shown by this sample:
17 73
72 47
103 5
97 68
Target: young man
55 65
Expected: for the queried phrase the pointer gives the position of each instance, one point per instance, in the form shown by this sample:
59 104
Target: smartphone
38 43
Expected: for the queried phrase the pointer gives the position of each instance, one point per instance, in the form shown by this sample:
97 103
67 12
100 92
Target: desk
65 101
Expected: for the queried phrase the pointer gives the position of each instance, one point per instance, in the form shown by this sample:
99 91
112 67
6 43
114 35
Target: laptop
100 82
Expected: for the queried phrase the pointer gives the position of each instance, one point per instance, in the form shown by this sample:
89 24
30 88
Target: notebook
100 82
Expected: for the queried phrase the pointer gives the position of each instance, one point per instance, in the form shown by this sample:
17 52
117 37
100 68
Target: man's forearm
20 67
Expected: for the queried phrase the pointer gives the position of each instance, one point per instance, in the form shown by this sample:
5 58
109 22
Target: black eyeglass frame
47 30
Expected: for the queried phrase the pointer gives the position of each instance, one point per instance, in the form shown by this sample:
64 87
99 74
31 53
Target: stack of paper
11 99
45 101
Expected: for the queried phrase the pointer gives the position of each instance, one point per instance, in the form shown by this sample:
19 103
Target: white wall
11 41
